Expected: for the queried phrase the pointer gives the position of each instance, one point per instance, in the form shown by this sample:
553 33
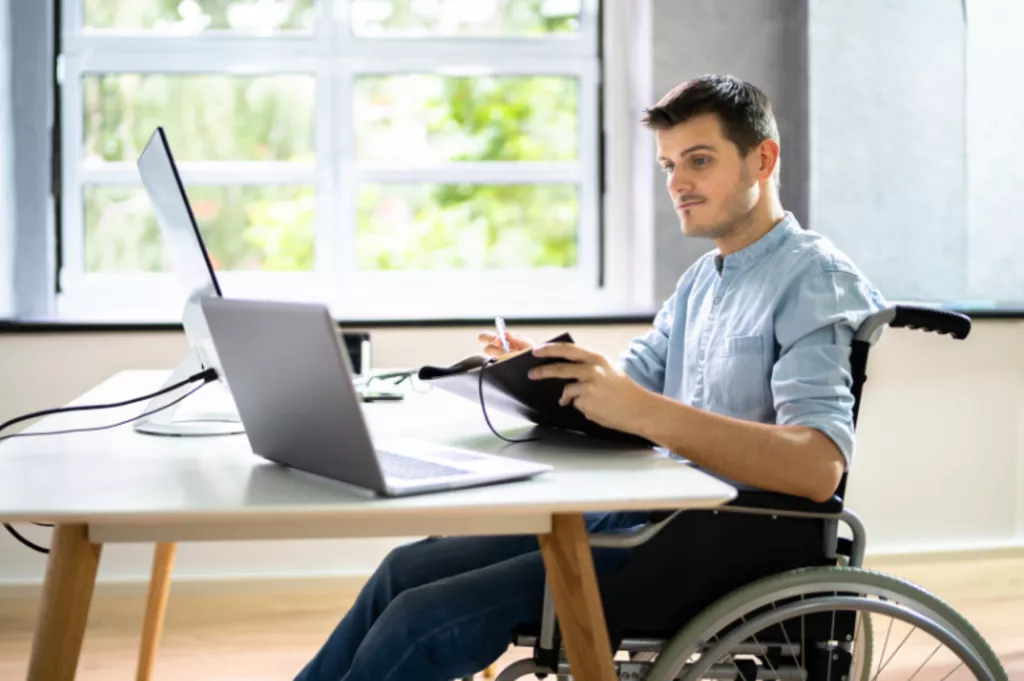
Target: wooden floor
270 633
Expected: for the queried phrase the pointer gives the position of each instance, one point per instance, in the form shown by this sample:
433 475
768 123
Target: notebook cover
507 388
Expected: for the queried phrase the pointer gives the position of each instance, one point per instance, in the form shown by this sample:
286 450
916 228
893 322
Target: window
392 157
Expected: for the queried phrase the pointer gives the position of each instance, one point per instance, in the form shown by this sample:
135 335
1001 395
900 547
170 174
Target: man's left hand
601 390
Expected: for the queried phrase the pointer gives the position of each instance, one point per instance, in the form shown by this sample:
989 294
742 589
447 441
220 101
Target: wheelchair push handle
914 317
931 319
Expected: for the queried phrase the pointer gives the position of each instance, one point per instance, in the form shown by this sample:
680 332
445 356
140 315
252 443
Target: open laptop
287 372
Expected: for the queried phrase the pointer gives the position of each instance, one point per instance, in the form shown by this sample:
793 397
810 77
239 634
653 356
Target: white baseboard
199 585
203 586
1008 550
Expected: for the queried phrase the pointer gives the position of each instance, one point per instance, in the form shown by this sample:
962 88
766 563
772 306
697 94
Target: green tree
271 118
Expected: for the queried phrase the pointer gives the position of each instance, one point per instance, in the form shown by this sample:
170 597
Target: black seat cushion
697 558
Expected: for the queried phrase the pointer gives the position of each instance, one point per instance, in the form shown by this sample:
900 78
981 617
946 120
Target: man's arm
805 452
645 357
796 460
811 443
792 459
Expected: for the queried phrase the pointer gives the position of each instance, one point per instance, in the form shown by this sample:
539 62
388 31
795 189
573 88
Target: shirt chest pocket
738 375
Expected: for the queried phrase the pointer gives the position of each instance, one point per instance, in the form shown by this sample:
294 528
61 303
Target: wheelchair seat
763 587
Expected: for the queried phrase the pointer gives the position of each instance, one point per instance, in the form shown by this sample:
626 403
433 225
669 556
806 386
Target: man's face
712 187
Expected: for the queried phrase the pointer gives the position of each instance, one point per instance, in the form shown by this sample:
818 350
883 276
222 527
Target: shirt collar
762 247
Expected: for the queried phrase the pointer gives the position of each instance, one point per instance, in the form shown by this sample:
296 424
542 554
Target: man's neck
758 222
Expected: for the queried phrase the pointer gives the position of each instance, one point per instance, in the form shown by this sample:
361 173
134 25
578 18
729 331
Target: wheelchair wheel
828 624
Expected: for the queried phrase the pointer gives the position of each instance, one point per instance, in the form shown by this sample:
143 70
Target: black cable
205 376
32 545
483 408
90 429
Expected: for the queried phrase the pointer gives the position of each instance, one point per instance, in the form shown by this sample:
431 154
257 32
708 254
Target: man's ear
768 159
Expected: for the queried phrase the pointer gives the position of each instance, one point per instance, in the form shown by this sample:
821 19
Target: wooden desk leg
156 607
67 594
570 571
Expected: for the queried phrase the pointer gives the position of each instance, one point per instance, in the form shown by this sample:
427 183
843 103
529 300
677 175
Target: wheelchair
811 613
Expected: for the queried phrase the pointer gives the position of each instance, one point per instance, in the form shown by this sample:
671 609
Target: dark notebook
507 388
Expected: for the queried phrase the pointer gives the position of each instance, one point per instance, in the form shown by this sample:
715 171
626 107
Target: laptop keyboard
409 468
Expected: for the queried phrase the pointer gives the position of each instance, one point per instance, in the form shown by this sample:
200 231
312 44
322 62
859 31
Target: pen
499 324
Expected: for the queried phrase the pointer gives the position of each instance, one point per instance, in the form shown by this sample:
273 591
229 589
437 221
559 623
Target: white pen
499 324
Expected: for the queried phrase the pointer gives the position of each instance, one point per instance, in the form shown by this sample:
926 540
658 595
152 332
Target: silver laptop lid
288 374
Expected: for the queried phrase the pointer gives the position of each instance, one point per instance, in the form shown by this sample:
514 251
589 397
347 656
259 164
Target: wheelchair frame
749 500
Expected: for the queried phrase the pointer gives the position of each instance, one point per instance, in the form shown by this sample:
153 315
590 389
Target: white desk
120 486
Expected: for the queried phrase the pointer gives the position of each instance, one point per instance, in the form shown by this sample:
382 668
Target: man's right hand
492 345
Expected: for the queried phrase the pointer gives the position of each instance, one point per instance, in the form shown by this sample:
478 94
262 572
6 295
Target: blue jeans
442 609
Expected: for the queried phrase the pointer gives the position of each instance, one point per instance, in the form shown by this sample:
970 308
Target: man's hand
492 344
601 391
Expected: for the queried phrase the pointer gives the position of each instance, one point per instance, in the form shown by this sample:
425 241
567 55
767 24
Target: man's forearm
791 459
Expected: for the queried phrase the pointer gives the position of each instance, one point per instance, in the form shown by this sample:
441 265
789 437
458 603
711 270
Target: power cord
483 408
205 376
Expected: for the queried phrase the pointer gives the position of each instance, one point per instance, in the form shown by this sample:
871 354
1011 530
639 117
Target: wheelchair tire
815 581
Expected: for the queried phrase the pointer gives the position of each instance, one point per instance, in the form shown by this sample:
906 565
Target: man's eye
700 161
668 168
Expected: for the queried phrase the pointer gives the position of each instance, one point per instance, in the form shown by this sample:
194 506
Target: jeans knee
398 570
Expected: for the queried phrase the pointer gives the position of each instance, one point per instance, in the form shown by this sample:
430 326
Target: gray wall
761 41
995 111
872 107
888 170
32 106
6 193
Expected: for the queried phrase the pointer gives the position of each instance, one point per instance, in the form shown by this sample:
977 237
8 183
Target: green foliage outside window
399 120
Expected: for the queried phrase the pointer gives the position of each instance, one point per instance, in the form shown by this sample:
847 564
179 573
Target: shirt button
718 299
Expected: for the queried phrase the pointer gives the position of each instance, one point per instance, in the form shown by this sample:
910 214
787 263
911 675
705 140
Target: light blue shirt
762 334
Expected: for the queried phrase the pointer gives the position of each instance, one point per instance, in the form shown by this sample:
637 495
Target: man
746 373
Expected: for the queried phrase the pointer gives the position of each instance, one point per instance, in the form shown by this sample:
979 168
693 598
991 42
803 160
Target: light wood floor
268 633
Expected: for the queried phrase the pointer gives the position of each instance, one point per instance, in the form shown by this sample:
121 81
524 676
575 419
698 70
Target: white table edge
333 525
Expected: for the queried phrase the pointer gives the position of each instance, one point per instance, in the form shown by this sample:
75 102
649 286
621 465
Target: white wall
939 465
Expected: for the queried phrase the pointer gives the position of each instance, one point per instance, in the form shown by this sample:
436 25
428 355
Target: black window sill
59 326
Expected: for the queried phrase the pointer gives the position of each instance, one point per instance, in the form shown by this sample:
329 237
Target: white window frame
335 58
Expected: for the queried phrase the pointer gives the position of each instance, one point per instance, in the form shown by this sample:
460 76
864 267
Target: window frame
335 58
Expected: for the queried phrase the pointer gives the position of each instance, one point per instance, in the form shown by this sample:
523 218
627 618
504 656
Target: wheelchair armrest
755 498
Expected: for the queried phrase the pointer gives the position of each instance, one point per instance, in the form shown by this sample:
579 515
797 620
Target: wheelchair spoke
937 649
885 644
789 644
803 639
831 637
886 663
767 657
856 628
732 660
952 671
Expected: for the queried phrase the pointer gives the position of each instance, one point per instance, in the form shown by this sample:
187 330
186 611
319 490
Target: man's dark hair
744 111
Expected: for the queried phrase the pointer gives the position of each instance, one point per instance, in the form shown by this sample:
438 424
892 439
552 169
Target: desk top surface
124 477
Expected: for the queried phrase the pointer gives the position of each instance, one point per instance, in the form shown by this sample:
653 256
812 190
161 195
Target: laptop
288 374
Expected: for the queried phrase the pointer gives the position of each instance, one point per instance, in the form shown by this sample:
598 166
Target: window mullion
482 172
207 173
330 225
72 201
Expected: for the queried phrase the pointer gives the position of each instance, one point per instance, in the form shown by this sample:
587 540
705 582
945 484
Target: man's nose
679 183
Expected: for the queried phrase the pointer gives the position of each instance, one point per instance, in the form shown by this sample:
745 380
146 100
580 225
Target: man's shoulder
818 270
810 253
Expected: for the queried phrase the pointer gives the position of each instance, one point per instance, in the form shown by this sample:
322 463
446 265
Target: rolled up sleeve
645 357
814 328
